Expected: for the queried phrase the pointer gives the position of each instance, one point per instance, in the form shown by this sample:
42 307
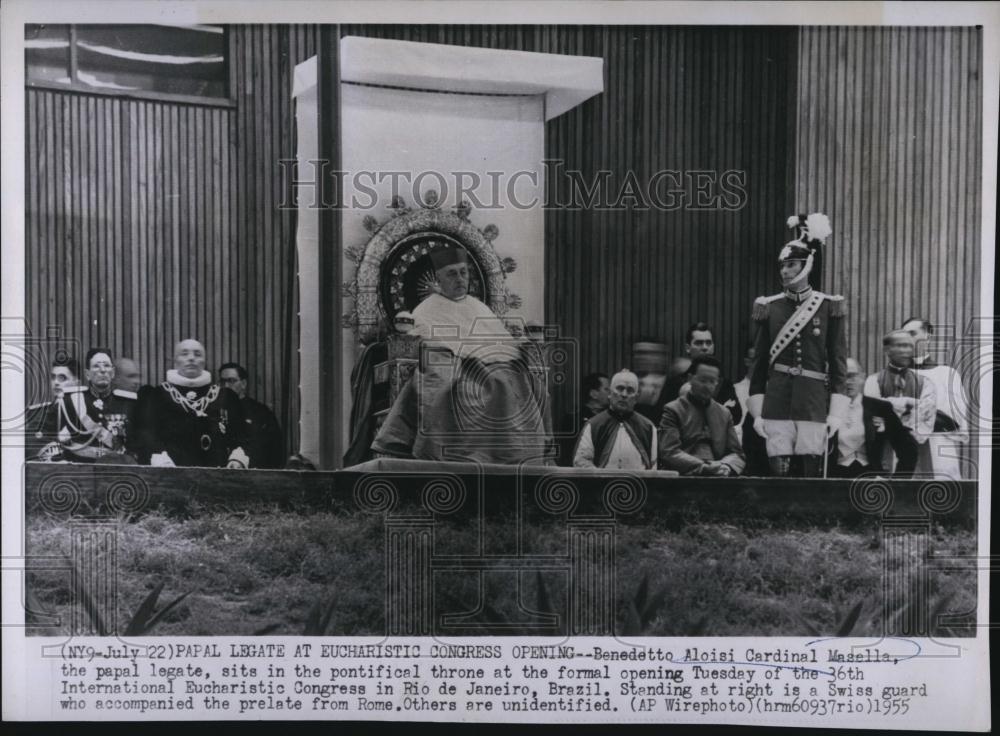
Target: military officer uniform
41 423
798 376
96 428
195 425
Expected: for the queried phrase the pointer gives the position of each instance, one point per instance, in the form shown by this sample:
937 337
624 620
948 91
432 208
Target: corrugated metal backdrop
150 221
889 145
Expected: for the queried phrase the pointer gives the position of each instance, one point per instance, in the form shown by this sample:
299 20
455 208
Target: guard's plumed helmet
812 231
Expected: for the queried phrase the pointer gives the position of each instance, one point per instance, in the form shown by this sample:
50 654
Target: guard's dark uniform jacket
41 422
196 427
97 429
797 385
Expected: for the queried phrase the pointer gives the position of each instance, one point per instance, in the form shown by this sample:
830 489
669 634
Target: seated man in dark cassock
263 431
902 404
474 396
188 420
697 436
96 421
42 419
698 340
618 437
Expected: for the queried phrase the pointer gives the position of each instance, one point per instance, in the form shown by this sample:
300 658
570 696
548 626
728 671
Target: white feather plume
818 227
793 221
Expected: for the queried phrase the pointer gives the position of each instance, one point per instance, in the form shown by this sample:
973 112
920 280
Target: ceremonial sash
795 324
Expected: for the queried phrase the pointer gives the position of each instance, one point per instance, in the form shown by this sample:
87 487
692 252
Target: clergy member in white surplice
474 398
940 455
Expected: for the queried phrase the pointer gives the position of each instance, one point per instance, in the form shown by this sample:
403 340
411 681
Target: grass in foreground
285 573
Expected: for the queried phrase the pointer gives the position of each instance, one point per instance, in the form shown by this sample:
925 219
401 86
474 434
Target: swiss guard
95 421
797 379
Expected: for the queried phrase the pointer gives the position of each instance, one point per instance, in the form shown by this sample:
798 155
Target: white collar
178 380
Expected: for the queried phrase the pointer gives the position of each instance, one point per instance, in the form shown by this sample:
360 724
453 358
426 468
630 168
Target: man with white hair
618 437
188 420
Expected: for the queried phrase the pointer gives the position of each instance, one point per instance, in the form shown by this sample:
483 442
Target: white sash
795 324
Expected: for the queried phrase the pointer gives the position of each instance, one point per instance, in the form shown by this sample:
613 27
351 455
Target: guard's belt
796 371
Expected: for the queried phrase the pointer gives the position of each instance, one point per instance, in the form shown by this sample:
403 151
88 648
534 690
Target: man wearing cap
618 437
473 397
797 380
188 420
452 316
96 420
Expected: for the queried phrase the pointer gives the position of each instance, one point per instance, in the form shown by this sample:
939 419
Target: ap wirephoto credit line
561 363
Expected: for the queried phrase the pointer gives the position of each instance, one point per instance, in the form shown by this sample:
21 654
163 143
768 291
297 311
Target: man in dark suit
263 431
697 436
698 340
852 448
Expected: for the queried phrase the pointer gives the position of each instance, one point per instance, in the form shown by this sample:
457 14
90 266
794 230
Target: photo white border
14 13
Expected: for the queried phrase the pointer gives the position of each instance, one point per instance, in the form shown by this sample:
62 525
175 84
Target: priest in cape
475 397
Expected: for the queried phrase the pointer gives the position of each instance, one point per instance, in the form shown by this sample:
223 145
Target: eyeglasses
229 380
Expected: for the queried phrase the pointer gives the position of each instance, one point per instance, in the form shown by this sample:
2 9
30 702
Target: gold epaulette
838 305
124 394
760 306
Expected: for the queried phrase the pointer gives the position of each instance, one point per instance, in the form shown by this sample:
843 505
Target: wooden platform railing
392 487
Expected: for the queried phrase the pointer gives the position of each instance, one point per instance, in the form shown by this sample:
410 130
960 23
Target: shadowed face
748 358
100 372
900 349
61 378
189 358
855 378
918 332
601 396
790 271
127 375
701 343
454 280
230 378
624 393
705 382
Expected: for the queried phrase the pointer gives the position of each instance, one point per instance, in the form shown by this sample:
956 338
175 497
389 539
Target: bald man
618 437
127 376
189 420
